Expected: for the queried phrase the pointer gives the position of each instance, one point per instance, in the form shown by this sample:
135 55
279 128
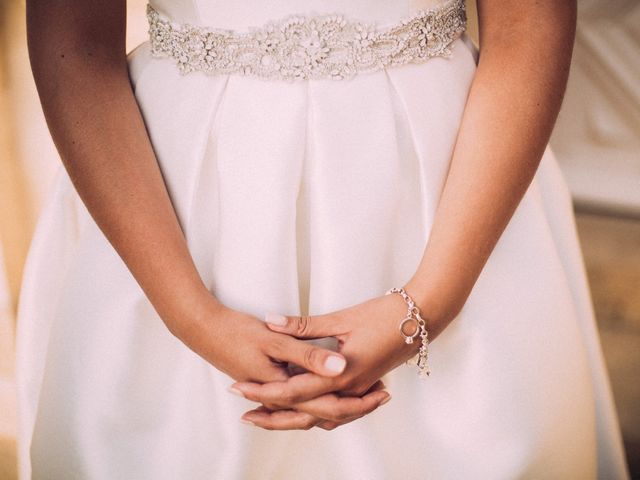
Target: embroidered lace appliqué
300 47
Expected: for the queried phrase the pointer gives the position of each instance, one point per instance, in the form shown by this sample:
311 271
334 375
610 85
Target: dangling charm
413 315
409 338
423 354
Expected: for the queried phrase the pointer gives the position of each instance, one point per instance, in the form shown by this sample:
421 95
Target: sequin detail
299 47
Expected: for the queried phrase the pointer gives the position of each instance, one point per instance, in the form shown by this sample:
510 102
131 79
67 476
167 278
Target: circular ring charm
413 314
409 338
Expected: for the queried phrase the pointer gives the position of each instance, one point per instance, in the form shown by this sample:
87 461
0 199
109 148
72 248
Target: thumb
304 326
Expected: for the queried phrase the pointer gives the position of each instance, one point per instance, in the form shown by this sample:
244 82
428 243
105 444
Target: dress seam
306 236
414 144
213 118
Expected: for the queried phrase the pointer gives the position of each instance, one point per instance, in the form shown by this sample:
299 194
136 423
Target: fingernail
386 399
236 391
247 422
335 363
275 319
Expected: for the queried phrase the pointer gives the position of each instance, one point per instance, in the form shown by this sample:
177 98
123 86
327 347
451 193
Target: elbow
63 43
546 26
534 42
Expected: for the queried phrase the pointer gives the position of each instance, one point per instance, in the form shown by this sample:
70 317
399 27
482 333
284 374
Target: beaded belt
300 47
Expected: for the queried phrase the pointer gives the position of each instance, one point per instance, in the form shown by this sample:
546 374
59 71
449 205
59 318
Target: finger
339 409
296 389
306 326
272 372
281 419
379 385
331 401
290 419
311 357
329 425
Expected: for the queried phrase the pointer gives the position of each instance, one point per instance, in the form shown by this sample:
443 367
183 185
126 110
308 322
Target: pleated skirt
303 198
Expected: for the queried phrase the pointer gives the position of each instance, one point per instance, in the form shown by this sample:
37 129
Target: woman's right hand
243 347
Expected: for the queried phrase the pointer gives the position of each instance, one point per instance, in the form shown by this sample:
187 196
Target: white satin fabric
297 198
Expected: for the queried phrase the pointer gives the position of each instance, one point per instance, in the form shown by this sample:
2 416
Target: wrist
414 332
192 310
434 306
198 327
396 317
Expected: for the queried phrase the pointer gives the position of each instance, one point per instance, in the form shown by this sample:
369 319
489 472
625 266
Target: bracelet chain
413 314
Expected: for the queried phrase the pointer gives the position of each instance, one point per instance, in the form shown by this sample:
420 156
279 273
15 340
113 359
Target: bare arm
77 53
525 53
78 58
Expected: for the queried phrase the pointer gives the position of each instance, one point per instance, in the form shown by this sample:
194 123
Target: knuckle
308 425
311 357
343 383
328 426
303 325
360 390
355 390
339 416
278 375
355 386
277 345
287 398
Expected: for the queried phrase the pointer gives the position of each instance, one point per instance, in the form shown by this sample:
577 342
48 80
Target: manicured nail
247 422
275 319
335 363
236 391
386 399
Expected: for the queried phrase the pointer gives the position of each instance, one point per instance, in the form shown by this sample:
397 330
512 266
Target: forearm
511 109
99 132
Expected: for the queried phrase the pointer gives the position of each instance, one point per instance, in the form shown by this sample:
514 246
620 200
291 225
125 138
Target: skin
516 94
78 59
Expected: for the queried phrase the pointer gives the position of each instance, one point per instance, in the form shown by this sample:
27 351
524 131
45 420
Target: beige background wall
597 137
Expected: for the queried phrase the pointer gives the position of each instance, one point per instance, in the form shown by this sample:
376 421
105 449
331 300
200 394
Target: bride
288 201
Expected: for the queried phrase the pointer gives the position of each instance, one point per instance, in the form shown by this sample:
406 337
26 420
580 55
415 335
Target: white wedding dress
306 197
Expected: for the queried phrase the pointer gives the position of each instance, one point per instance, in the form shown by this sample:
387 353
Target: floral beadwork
299 47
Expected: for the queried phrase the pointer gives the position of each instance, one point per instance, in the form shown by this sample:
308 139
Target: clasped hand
369 340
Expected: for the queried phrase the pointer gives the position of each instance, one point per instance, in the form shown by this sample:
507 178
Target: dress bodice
240 14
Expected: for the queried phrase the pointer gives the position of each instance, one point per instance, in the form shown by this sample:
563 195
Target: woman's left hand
368 337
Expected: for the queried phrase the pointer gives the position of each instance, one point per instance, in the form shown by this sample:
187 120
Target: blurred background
596 140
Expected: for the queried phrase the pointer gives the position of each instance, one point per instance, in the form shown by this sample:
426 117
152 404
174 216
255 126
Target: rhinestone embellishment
299 47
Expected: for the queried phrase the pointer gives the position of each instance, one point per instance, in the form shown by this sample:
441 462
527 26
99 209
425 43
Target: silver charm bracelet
413 315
